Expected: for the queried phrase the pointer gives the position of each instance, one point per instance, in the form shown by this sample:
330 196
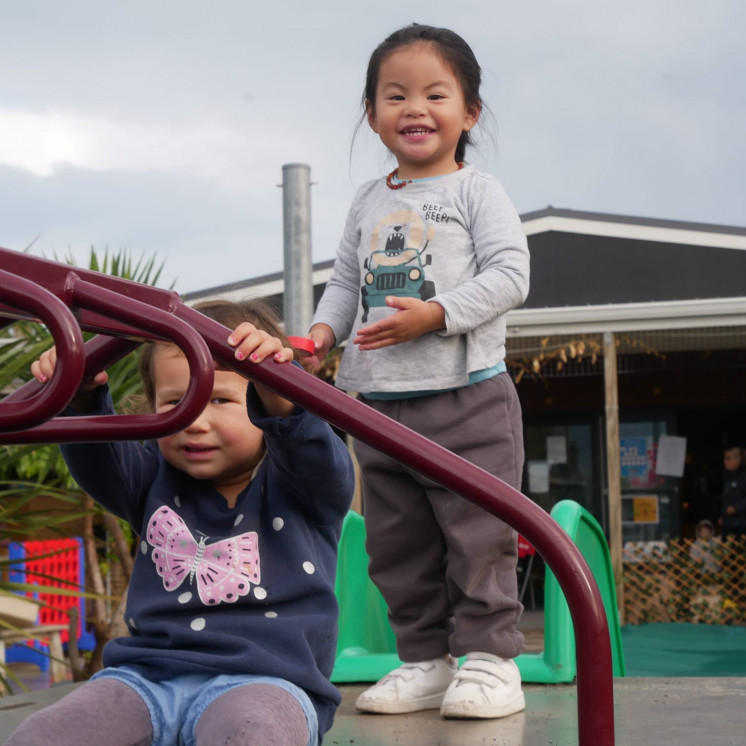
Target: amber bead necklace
391 184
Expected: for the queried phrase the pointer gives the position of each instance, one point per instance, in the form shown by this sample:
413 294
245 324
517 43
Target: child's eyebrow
440 84
393 84
226 392
170 392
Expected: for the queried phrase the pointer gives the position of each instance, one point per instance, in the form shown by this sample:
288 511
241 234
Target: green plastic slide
366 649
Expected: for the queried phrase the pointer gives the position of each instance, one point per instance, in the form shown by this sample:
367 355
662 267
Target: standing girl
431 259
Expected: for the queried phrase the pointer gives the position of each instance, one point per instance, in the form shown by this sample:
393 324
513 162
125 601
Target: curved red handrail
28 296
151 323
115 297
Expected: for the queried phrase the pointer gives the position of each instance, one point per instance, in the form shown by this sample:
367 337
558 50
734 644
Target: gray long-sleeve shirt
455 240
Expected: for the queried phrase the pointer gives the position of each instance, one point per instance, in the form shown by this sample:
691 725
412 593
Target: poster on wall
633 458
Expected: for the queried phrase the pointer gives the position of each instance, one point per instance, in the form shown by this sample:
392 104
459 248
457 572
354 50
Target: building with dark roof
630 360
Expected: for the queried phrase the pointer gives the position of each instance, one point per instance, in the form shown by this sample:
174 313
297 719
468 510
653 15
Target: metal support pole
296 203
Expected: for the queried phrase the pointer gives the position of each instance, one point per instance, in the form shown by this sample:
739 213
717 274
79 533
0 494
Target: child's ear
370 113
473 112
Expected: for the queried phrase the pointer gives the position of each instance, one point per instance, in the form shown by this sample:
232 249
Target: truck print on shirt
397 261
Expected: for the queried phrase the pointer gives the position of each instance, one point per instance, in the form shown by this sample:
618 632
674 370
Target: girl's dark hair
453 50
228 313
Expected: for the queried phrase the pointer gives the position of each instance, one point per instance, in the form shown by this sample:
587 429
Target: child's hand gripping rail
125 310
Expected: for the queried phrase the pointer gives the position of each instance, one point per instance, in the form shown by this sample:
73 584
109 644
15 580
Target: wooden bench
50 633
18 623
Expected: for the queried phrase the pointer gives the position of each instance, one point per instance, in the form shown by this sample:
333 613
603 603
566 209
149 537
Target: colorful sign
633 457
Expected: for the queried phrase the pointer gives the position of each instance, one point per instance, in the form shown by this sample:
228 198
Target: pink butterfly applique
223 570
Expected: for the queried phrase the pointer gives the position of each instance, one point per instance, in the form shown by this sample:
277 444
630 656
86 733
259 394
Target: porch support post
613 466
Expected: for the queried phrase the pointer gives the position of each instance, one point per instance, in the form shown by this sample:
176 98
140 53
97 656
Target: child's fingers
43 368
322 336
256 345
239 335
101 378
322 341
246 338
312 363
37 372
267 347
285 355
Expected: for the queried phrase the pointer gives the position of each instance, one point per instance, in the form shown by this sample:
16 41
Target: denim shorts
177 704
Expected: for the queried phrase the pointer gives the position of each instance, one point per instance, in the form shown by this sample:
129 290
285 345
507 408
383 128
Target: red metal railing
68 299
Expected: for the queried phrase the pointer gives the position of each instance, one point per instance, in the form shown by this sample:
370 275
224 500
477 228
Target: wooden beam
613 466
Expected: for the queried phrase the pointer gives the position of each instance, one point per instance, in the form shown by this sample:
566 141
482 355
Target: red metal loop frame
64 328
153 323
593 648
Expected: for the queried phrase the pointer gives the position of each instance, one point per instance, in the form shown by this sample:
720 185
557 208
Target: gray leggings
106 712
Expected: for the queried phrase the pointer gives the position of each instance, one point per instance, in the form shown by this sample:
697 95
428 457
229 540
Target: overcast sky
161 126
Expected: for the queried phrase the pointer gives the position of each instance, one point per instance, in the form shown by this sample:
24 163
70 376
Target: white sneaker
409 688
486 686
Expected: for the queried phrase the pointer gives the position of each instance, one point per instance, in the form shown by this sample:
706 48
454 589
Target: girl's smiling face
419 111
221 446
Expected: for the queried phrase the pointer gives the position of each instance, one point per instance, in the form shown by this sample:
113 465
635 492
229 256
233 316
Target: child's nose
415 107
201 424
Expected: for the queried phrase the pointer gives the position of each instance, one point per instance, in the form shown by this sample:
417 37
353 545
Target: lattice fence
682 581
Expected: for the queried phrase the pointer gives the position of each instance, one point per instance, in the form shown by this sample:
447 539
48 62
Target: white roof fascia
274 285
625 317
610 229
322 275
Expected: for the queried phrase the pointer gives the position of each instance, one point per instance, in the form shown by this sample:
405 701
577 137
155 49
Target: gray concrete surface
648 711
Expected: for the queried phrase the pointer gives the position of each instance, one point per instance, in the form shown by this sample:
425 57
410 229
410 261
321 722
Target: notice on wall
640 509
538 477
557 449
671 456
646 509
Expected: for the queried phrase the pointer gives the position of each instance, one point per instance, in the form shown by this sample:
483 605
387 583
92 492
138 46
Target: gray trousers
446 567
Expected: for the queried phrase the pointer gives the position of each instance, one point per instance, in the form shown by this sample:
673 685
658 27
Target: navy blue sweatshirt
214 589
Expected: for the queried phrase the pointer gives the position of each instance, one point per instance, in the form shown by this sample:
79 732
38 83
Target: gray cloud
164 126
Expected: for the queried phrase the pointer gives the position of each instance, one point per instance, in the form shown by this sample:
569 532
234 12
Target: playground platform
660 711
685 685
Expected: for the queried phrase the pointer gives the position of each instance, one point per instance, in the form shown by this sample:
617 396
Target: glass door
560 464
